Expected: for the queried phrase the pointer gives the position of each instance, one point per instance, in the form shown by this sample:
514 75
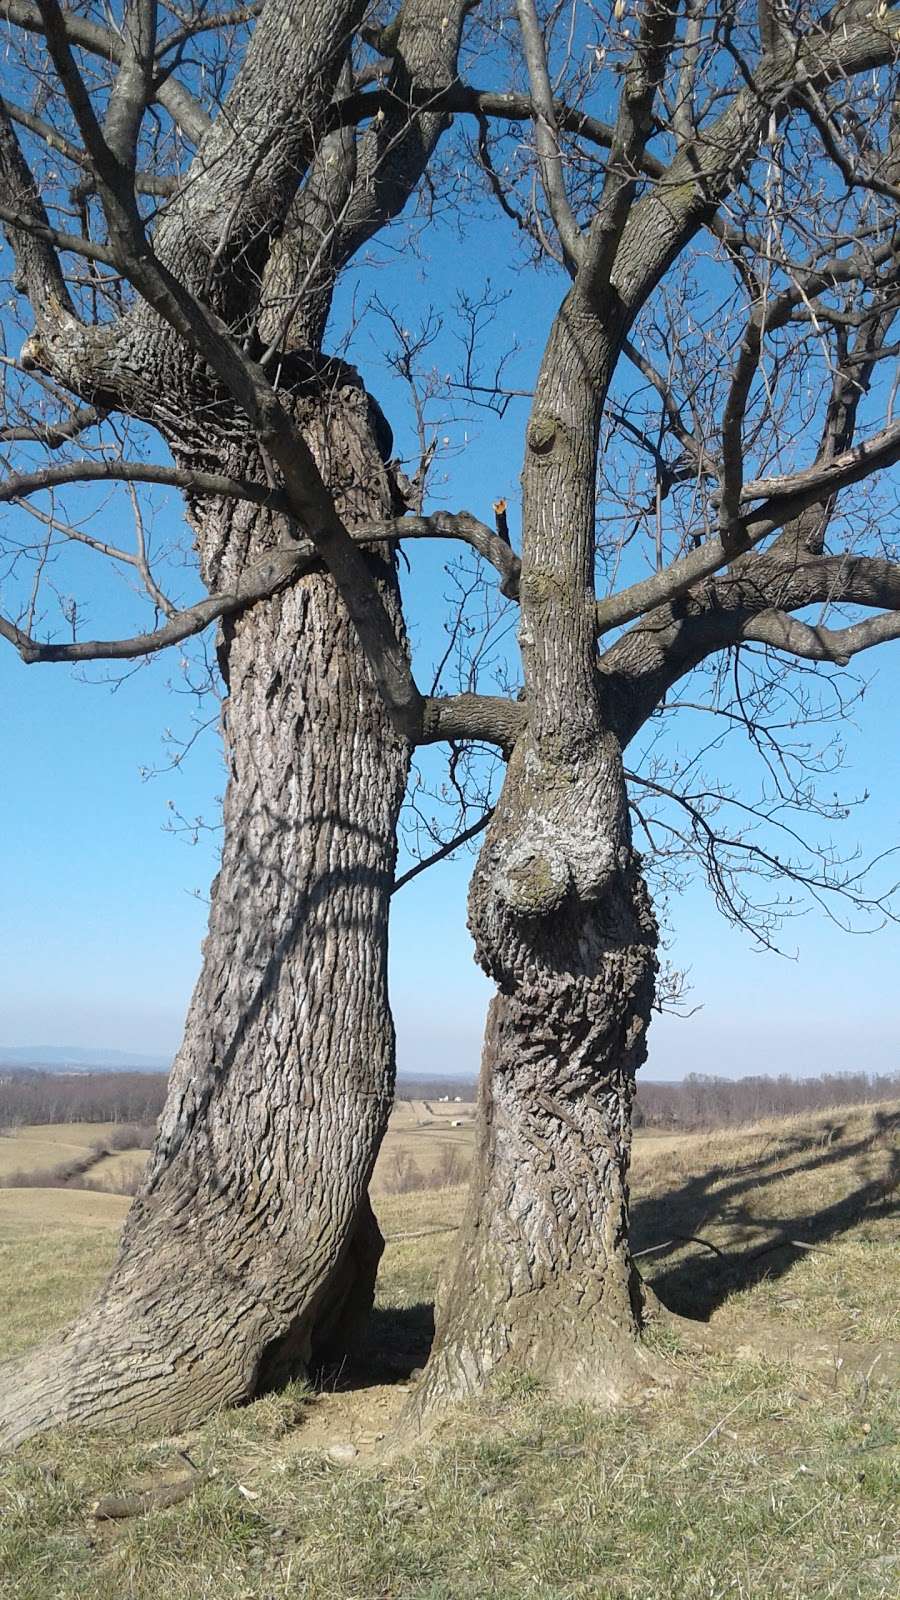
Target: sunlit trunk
250 1252
543 1282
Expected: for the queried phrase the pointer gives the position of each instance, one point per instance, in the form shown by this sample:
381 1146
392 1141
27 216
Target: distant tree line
130 1097
32 1094
698 1101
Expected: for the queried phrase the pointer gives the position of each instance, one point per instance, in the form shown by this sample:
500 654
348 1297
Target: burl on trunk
543 1282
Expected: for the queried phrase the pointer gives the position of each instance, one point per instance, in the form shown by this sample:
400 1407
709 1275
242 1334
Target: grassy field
767 1464
420 1135
50 1144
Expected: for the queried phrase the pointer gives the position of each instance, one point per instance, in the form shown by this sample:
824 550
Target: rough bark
544 1281
561 919
251 1249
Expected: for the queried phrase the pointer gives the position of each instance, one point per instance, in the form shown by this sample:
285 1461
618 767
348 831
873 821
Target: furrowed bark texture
544 1281
562 922
251 1249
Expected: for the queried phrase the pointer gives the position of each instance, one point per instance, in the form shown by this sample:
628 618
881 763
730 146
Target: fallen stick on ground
113 1507
681 1238
718 1427
793 1244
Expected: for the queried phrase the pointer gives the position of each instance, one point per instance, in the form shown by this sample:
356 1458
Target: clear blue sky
99 943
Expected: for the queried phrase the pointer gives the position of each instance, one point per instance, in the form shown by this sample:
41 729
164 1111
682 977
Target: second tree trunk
543 1282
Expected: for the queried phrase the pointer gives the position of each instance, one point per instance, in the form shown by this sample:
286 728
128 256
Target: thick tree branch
546 136
744 371
690 191
502 105
469 530
39 272
246 173
22 221
50 136
52 434
827 476
787 497
133 89
308 499
276 569
207 24
356 187
638 670
144 182
818 643
460 526
640 85
488 719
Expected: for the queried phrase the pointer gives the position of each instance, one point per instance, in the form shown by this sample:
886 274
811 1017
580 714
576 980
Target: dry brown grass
801 1209
740 1475
420 1143
50 1144
827 1181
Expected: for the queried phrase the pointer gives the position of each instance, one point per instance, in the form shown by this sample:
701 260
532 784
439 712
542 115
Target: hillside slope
746 1470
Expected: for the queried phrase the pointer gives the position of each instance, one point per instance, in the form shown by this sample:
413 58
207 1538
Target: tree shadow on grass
752 1243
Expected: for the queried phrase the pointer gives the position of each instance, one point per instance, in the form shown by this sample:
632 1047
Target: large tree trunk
251 1249
543 1282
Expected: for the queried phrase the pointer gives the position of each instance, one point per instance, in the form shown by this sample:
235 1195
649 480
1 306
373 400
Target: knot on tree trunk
537 874
81 357
557 846
534 879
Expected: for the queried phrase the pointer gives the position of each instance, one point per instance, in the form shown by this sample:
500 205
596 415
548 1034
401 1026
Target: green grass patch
45 1279
743 1481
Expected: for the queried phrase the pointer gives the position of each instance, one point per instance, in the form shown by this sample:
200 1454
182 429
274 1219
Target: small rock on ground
342 1452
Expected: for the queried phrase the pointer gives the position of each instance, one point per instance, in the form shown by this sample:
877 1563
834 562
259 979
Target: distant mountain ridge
67 1058
71 1058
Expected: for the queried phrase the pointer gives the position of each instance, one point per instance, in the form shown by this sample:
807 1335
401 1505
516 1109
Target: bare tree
251 1245
730 245
727 139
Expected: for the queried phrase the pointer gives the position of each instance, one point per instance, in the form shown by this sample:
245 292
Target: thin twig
718 1427
445 850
